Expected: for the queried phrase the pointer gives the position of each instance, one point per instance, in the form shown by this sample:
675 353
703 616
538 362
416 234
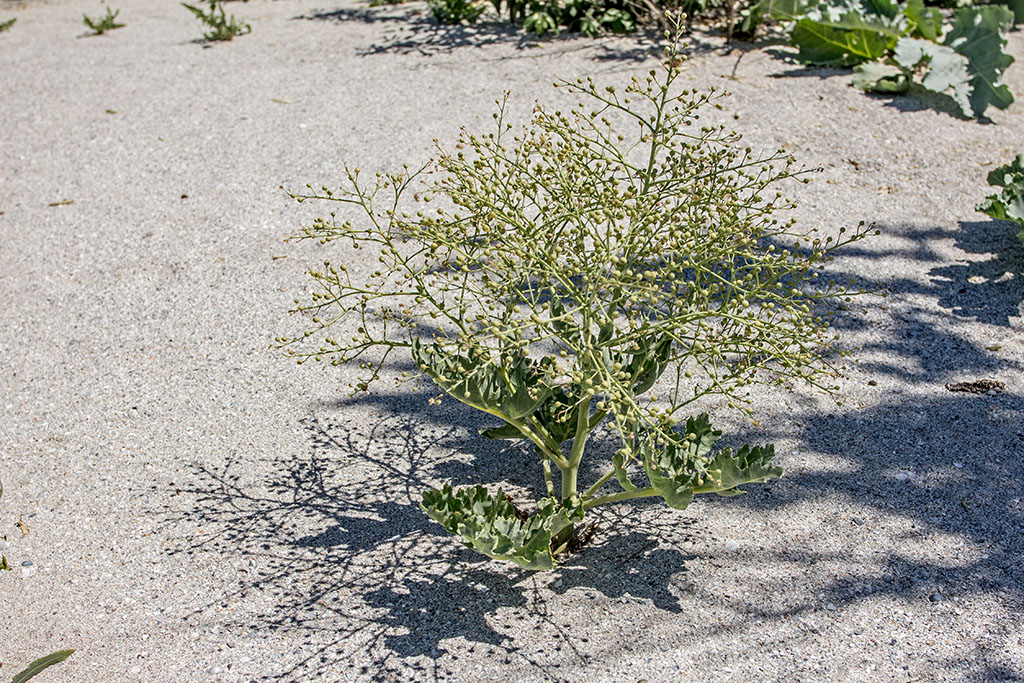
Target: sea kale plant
611 264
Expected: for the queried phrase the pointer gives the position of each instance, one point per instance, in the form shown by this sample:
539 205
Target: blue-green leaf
979 34
508 390
491 525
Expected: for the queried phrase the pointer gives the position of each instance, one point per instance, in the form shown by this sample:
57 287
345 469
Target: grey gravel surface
180 504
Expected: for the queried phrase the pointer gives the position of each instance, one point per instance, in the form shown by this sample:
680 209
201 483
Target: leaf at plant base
979 34
849 39
42 663
926 22
880 77
750 465
945 69
510 395
675 471
491 525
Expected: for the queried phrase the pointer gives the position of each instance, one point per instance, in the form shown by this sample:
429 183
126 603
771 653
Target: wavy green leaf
1007 175
979 34
491 525
850 39
675 471
945 70
508 390
926 22
1017 7
752 464
880 77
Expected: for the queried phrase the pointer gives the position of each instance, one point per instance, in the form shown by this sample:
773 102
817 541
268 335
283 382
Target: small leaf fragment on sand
281 100
111 111
63 202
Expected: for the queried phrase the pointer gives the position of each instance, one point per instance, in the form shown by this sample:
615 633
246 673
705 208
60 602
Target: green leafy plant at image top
221 27
456 11
6 25
894 46
611 264
103 24
1008 205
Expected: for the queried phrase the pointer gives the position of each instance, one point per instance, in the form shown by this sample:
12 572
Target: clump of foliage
221 27
611 264
6 25
895 46
591 17
456 11
102 24
1008 205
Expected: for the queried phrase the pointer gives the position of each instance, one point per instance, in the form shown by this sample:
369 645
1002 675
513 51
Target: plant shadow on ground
412 30
344 522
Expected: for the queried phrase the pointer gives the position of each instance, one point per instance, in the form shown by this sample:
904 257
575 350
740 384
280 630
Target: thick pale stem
548 483
569 473
568 491
598 484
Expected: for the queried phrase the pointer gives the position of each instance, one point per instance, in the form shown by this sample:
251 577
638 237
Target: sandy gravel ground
198 509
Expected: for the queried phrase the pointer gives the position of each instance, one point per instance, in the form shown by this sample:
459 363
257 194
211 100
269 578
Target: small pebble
26 563
858 521
557 583
731 546
936 597
215 670
888 578
902 476
958 465
831 607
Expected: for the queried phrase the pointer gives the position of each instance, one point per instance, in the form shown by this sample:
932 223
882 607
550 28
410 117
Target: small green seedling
102 24
612 264
221 26
6 25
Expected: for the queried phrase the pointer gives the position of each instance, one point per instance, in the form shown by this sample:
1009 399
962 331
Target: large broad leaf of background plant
979 34
941 68
845 34
491 524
